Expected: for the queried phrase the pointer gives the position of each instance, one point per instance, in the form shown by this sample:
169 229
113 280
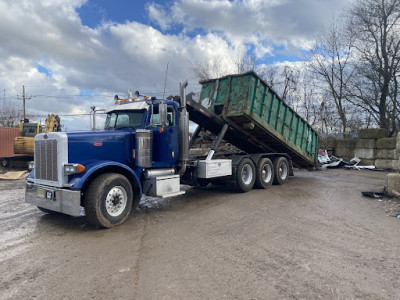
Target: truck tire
245 175
281 170
264 173
108 200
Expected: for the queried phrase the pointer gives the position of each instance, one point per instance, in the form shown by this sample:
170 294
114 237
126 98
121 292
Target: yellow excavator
24 144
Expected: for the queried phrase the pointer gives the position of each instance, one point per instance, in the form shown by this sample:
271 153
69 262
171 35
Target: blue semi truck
144 150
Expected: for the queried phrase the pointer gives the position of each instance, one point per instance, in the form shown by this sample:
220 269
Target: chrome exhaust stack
183 131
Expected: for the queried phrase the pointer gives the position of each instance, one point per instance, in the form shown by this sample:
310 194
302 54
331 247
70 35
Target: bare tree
289 82
331 65
211 69
375 24
282 78
10 116
246 63
271 75
310 109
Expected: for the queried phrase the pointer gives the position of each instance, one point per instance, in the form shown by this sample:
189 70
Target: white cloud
282 22
158 15
114 57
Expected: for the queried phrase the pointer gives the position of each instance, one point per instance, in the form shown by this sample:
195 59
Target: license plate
45 194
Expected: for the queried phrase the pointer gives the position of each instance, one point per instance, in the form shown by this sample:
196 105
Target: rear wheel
245 175
265 173
108 200
281 169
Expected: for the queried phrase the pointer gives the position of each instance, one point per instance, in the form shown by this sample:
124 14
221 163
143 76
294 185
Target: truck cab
136 153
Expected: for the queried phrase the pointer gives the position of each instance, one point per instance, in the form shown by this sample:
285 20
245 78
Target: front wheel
281 169
108 200
245 175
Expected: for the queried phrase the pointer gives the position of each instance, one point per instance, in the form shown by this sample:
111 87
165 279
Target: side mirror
162 108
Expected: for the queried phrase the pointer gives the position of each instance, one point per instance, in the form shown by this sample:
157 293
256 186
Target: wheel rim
283 170
247 174
116 201
266 173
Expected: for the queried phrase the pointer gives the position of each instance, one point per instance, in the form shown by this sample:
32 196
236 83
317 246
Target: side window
171 116
155 120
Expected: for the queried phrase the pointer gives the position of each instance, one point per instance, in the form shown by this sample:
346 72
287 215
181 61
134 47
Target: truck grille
46 160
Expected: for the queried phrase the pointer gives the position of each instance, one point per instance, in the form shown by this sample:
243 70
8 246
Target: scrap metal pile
332 161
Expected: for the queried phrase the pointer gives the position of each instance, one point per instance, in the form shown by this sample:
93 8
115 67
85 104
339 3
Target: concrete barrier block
367 162
344 153
366 143
371 133
327 144
398 143
346 144
365 153
386 143
393 183
387 164
387 154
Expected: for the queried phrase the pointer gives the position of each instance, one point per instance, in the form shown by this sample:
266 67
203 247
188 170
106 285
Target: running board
172 194
162 186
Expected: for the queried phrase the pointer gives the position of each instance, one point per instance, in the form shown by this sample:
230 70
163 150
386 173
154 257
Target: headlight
31 165
73 169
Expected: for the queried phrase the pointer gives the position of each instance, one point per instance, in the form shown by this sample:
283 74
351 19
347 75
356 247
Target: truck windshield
124 119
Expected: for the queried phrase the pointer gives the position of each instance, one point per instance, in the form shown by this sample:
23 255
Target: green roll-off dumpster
254 109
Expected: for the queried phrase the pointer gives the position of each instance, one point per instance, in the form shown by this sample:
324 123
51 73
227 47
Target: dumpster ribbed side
247 102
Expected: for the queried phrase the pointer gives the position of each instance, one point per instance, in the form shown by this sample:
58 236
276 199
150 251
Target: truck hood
87 147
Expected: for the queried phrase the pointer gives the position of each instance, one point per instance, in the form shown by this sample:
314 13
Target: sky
74 54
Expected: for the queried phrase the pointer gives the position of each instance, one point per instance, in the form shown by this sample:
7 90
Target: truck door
165 136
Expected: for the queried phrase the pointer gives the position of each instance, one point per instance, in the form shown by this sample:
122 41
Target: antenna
165 83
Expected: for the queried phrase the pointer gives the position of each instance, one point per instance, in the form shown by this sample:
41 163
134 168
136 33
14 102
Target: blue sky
92 13
106 47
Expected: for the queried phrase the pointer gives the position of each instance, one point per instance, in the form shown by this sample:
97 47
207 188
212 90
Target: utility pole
23 99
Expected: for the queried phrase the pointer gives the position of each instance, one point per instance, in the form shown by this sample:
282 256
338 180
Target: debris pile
390 202
332 161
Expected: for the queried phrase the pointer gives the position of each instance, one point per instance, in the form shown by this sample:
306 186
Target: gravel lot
316 237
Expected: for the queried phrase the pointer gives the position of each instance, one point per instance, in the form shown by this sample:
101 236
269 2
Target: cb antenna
165 83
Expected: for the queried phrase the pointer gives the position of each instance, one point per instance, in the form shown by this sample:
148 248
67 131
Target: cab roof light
126 100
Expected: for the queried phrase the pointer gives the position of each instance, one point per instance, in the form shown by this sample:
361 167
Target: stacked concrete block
366 151
345 149
386 153
366 146
328 144
371 133
393 179
393 184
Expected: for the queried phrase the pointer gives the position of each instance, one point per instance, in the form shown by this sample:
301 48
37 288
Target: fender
77 181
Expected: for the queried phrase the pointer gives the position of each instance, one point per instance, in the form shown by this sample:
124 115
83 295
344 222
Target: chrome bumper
55 199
